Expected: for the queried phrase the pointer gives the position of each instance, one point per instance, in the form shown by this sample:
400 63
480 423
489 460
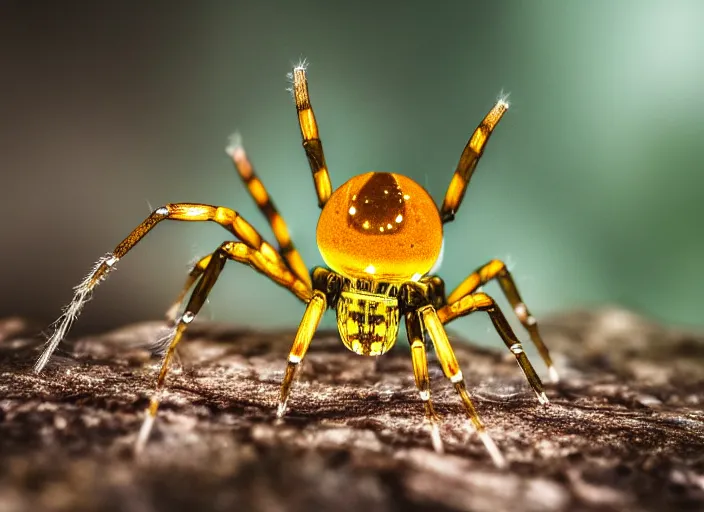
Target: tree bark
624 429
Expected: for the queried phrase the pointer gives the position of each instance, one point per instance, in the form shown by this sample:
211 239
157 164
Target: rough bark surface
624 430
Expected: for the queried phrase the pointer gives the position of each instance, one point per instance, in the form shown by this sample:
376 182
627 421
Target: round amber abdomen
382 226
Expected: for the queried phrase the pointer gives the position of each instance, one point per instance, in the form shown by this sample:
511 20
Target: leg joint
492 269
482 301
516 348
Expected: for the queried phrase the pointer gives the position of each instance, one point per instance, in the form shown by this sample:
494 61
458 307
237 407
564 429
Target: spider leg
309 324
229 219
311 140
236 251
256 188
414 329
468 161
451 369
482 302
496 269
298 287
193 276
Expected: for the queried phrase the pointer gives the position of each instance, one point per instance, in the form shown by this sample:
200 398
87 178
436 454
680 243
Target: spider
379 234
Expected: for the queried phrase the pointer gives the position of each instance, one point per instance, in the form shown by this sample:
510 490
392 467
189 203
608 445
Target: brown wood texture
624 431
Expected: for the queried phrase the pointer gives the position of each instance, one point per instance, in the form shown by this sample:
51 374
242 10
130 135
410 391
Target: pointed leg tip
543 398
438 445
496 455
554 376
281 410
144 432
234 145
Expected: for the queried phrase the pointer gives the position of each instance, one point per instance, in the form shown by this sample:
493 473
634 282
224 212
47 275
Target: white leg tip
234 145
281 410
81 295
543 398
43 360
554 377
496 455
438 445
144 433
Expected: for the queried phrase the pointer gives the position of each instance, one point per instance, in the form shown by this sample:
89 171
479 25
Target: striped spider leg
237 251
189 212
497 269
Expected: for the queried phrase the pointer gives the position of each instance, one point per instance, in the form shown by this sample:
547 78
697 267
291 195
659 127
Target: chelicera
380 234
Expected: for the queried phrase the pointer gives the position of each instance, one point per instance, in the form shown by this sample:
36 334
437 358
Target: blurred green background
592 187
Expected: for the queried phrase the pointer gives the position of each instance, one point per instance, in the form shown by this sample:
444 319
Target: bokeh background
592 187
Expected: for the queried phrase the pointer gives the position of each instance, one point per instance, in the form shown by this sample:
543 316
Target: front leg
414 330
451 368
309 324
227 218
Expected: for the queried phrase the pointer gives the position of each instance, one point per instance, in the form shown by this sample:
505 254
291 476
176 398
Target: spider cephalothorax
379 234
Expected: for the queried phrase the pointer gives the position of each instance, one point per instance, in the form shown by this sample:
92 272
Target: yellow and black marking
496 269
311 139
452 371
195 212
448 361
414 331
193 276
367 322
258 191
468 161
309 324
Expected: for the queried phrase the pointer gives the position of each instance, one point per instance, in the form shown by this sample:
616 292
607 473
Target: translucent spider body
377 231
379 235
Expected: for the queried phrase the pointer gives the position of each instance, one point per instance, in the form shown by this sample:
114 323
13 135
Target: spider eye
382 225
